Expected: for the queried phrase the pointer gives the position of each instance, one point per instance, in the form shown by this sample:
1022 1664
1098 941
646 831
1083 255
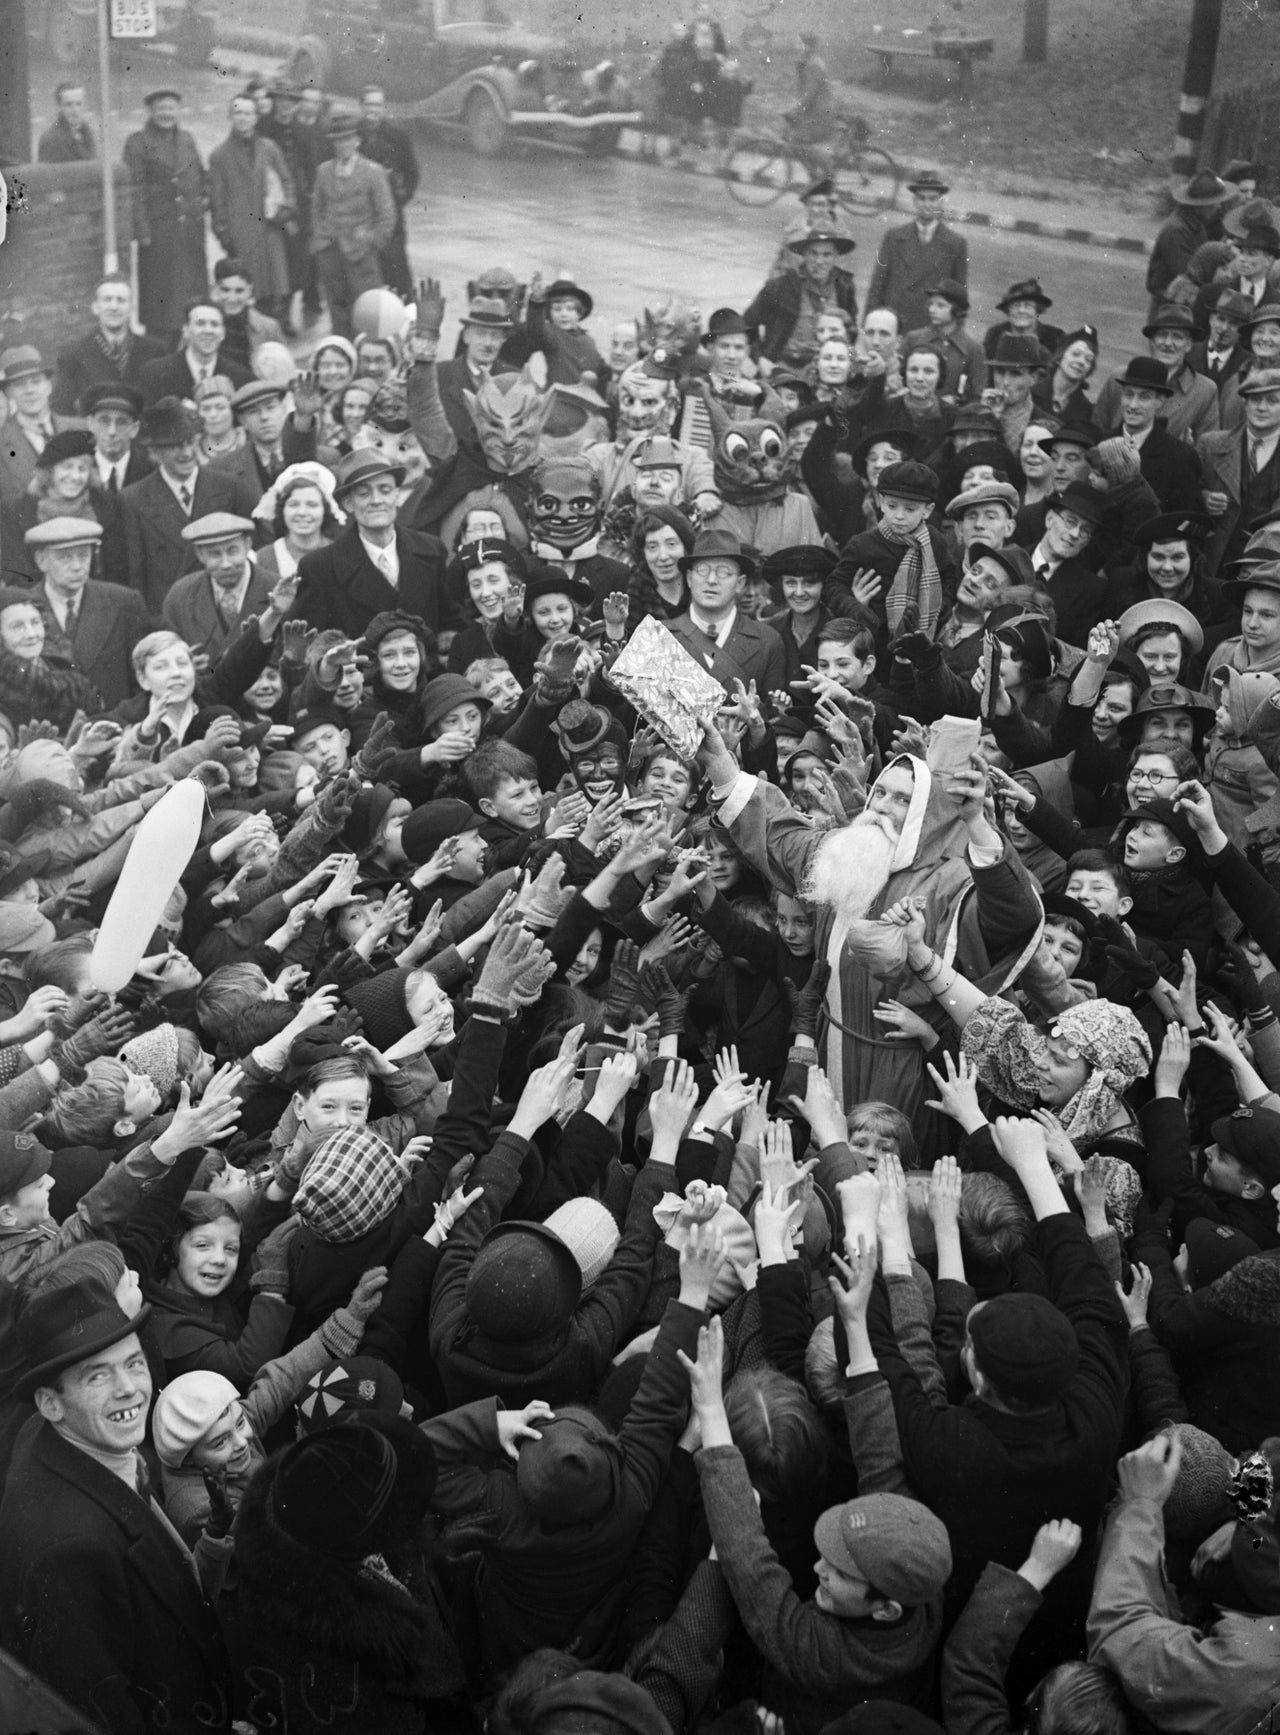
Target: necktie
186 493
113 481
73 619
142 1479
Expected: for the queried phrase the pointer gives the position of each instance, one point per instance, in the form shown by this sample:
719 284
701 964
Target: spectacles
1137 776
725 569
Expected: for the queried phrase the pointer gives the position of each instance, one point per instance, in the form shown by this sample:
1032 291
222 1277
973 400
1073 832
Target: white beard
850 867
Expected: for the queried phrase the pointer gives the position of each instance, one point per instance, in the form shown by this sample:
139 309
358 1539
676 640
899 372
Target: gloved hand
527 988
916 648
542 903
510 952
624 985
1245 987
336 799
806 1002
222 1513
1151 1222
670 1001
290 1166
213 775
553 673
270 1279
366 1297
1124 954
379 750
106 1033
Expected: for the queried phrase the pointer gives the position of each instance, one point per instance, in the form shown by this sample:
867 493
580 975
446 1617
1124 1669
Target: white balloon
163 844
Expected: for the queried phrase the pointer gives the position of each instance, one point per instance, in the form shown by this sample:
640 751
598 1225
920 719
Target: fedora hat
841 243
928 181
1203 191
20 362
1157 611
1084 434
1078 497
1026 289
1015 349
363 466
1172 316
490 311
1261 238
1257 575
169 422
1015 561
1249 215
725 322
1147 374
64 1326
718 544
1232 305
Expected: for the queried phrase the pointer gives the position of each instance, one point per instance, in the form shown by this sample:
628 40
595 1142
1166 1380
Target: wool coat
907 267
341 587
241 191
170 197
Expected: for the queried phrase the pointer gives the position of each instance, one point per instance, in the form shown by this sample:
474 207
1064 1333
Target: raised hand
730 1095
1135 1299
851 1281
706 1375
672 1105
957 1087
946 1193
308 399
1151 1471
430 309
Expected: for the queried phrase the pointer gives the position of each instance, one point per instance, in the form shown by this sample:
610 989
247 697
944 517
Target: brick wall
52 256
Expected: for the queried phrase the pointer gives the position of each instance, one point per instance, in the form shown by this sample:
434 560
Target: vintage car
69 29
463 64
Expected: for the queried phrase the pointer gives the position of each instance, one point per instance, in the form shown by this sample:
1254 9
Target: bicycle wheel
758 172
868 180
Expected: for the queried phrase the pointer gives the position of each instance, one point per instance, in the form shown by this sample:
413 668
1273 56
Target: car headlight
528 69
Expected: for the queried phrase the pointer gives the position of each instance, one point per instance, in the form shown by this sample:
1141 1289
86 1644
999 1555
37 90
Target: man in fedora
179 490
1220 356
964 361
353 217
1169 465
1253 271
915 255
110 352
199 357
1079 592
94 625
486 326
375 564
1016 365
1192 224
207 606
99 1595
1241 479
1191 409
28 390
783 318
1023 304
274 438
713 629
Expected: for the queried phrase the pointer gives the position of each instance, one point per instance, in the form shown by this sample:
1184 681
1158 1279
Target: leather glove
1121 951
669 1000
624 985
1244 985
222 1513
806 1002
378 751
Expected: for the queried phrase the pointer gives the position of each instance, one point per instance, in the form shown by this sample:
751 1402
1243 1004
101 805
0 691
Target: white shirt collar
387 560
717 630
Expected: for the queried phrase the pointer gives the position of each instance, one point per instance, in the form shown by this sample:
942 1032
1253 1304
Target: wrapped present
672 692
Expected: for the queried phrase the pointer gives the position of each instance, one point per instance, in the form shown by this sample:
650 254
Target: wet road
631 232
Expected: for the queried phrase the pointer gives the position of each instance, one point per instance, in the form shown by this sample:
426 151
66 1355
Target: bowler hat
1074 434
363 466
909 481
718 544
440 695
1026 289
60 1327
111 395
524 1283
951 291
1172 316
255 392
490 311
725 322
802 243
20 362
1158 611
564 289
1148 374
1203 190
928 181
1017 349
169 422
66 443
547 579
1189 527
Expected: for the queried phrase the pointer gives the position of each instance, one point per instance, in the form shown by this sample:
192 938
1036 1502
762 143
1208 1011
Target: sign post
118 21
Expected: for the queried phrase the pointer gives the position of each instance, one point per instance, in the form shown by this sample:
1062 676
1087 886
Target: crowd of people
608 1213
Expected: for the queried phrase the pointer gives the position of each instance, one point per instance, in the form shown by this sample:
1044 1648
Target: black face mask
603 763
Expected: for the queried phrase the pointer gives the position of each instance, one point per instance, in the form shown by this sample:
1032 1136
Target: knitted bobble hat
590 1233
155 1053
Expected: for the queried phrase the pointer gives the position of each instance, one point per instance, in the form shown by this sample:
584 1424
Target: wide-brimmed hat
441 695
951 291
1025 289
1147 374
1168 696
1203 190
170 422
841 242
1172 316
1254 575
1157 611
928 181
1190 527
20 362
363 466
725 322
66 443
60 1327
718 544
545 578
490 311
1078 497
1018 349
111 395
564 289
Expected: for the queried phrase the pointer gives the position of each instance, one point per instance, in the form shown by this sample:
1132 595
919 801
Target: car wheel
486 129
309 63
70 34
196 39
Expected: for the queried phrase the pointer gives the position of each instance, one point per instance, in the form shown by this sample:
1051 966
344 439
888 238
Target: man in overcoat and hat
913 256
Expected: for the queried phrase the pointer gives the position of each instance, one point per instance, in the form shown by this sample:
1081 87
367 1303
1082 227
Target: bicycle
761 167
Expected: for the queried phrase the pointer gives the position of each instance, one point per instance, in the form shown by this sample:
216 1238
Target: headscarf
310 471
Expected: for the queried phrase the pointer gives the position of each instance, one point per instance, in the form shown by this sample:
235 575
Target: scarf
916 580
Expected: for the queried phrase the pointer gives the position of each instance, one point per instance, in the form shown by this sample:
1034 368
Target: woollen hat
332 1487
185 1411
590 1232
1199 1501
351 1184
898 1545
1252 1137
570 1476
427 826
155 1053
357 1382
1026 1347
380 1002
524 1284
1213 1248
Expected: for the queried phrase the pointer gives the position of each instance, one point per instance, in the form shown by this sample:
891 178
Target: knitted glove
527 988
624 985
270 1280
1245 987
542 903
378 751
670 1001
806 1002
107 1033
1118 459
336 799
342 1332
1126 957
514 948
290 1166
553 673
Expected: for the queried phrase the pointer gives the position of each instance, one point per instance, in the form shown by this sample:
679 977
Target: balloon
379 313
272 361
162 846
